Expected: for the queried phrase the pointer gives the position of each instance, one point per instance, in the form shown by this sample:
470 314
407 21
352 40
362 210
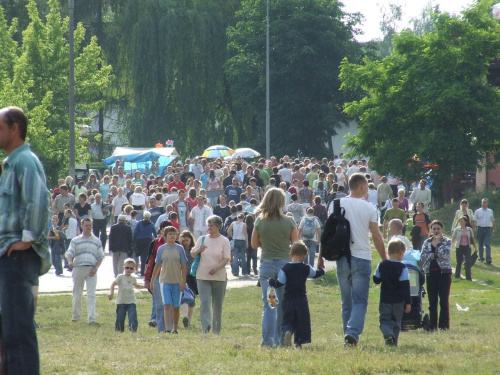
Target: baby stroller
416 318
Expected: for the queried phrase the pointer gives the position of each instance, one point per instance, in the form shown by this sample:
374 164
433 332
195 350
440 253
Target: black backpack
336 236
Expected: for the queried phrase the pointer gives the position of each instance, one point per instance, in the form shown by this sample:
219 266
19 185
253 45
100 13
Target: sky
372 10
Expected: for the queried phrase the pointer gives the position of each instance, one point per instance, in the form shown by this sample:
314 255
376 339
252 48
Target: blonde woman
273 233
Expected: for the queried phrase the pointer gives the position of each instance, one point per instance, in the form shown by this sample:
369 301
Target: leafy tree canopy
34 76
429 98
308 39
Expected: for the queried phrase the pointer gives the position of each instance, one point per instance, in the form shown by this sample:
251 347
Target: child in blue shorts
170 264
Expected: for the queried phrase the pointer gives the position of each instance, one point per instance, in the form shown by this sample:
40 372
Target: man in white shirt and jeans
354 278
484 221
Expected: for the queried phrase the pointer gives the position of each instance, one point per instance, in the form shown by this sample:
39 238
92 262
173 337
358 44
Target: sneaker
94 324
152 324
288 339
258 284
175 332
488 262
185 322
390 340
255 272
350 342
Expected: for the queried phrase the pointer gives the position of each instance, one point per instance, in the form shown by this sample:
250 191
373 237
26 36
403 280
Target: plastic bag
272 298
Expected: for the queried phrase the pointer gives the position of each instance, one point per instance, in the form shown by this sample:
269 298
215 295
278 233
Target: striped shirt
24 203
85 251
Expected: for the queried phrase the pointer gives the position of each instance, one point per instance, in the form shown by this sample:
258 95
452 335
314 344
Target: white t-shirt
286 174
200 216
317 226
70 231
360 214
404 239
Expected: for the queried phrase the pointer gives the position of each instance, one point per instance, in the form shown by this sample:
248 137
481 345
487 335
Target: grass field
471 346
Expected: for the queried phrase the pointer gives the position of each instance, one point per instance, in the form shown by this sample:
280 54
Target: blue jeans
311 248
55 256
239 258
272 319
18 273
354 283
158 303
484 239
121 311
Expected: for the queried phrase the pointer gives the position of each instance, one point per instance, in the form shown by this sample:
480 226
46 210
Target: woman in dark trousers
435 258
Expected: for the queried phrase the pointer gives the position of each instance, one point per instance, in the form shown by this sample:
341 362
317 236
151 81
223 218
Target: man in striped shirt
85 255
24 254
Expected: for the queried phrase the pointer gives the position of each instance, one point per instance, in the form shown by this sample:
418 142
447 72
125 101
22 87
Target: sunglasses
129 268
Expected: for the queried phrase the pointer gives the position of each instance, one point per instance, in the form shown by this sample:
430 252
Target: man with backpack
310 232
354 269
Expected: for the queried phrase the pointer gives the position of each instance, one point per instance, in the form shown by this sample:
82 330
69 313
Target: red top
151 263
179 185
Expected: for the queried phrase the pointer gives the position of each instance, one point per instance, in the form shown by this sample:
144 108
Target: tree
429 99
308 39
35 77
174 54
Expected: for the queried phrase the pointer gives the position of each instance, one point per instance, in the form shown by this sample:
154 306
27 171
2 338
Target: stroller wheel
426 322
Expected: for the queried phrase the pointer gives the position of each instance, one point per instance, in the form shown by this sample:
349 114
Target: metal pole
71 6
268 113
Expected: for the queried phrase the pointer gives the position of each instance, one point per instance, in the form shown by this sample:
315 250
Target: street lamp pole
71 7
268 113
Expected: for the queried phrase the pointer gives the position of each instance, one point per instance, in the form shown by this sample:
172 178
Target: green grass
469 347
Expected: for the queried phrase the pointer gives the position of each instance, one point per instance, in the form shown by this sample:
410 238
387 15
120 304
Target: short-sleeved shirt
216 249
360 214
170 259
317 226
125 285
395 213
275 236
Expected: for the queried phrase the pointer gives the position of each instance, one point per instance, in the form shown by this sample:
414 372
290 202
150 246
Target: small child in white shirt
125 301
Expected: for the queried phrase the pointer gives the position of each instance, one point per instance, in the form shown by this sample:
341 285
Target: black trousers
463 252
438 291
99 230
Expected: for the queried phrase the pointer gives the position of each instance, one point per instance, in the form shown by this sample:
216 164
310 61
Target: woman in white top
238 232
211 276
138 201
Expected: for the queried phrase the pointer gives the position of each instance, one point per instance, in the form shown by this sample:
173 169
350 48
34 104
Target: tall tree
308 39
35 77
175 53
429 99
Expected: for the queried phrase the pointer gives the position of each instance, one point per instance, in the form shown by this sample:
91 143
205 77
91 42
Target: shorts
171 294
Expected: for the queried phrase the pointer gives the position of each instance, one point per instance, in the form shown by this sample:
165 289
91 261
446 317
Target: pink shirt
217 249
213 185
464 240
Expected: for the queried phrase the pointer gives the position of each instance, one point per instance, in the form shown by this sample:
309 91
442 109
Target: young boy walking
170 264
296 317
125 301
394 293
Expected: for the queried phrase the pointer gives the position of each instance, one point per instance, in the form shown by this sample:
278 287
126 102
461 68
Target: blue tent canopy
134 158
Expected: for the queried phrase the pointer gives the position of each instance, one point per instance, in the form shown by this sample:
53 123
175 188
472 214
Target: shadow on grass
329 279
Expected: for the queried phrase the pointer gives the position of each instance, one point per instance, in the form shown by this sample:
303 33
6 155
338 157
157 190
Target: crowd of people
228 210
178 231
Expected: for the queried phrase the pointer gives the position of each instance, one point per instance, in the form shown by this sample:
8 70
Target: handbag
196 261
187 296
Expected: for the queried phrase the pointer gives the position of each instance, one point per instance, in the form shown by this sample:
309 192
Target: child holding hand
394 293
125 301
296 317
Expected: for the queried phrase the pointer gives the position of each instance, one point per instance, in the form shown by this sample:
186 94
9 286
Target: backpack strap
336 206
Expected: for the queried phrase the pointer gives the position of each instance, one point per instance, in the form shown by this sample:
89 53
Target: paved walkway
50 283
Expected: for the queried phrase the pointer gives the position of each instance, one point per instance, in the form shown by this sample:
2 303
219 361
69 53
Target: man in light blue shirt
24 254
